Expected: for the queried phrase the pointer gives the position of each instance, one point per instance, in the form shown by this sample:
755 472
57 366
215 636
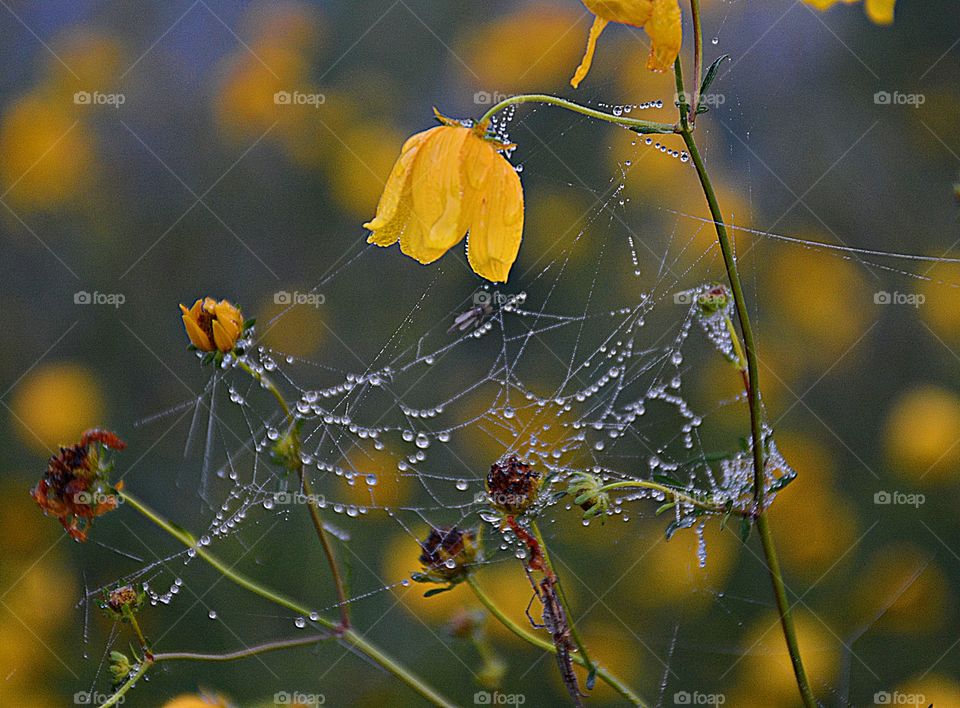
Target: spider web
591 379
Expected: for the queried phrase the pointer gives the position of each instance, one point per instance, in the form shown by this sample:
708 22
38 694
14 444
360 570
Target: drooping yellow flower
213 326
660 19
449 180
879 11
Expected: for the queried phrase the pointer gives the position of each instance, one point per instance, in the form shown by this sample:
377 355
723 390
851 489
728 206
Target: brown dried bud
512 485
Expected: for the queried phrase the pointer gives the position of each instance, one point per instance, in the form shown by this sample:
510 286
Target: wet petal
197 336
437 193
222 337
598 26
626 12
666 34
496 232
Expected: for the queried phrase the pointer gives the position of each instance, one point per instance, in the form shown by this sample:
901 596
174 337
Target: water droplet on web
371 480
212 614
462 485
299 623
314 616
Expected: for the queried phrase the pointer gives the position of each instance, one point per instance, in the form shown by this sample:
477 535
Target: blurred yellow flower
202 700
448 180
661 19
923 434
377 481
213 326
879 11
55 403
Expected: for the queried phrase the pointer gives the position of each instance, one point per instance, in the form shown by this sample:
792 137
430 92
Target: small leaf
745 526
711 74
592 678
664 507
437 591
247 324
667 480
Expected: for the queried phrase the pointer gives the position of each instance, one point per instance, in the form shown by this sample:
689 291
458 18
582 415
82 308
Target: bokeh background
198 182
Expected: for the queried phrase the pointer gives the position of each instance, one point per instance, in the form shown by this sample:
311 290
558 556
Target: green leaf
667 480
711 74
437 591
664 507
745 526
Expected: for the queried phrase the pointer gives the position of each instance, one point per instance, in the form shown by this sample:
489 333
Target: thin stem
607 677
635 124
697 59
243 653
679 496
756 410
118 695
345 634
307 488
128 613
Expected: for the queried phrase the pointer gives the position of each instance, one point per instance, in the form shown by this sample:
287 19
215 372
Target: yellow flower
213 326
879 11
659 18
449 180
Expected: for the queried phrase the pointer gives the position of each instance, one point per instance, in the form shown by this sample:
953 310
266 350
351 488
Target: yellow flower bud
213 326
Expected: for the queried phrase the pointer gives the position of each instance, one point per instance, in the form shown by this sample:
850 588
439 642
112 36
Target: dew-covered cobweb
583 362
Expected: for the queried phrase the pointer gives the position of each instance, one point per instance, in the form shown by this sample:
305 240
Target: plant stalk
348 635
635 124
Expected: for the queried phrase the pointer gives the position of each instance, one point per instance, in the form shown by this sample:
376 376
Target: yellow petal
495 235
666 34
222 337
437 193
880 11
598 26
475 167
197 336
229 316
626 12
394 191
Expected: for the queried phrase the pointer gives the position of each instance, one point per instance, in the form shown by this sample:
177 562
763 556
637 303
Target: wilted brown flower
448 554
512 485
75 487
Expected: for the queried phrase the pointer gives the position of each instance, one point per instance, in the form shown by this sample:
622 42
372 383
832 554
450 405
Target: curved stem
307 488
243 653
635 124
345 634
678 495
607 677
756 409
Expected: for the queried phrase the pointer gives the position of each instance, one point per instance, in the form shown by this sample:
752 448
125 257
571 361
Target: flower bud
714 299
448 554
586 491
213 326
123 601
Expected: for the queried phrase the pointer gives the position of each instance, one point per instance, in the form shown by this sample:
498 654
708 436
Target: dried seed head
448 554
512 485
123 600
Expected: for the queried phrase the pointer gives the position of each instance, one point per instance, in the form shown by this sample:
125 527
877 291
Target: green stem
243 653
607 677
679 496
347 635
697 59
307 488
635 124
756 409
118 695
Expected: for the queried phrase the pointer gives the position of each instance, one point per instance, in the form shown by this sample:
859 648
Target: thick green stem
635 124
347 635
756 408
307 489
607 677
